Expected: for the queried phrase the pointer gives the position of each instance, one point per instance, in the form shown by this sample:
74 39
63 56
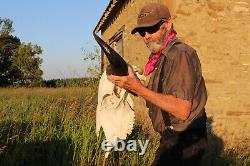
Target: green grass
55 127
43 126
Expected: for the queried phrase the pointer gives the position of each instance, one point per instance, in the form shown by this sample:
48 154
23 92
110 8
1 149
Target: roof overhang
108 14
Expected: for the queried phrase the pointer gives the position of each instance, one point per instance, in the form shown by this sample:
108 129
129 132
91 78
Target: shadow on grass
214 155
16 151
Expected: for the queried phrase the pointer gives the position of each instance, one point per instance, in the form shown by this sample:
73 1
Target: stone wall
220 32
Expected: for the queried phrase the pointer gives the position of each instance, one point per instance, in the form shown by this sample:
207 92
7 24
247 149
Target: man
176 93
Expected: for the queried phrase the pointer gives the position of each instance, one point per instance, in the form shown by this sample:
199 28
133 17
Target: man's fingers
119 83
130 71
111 79
114 78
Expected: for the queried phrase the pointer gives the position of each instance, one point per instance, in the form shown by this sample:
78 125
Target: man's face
155 36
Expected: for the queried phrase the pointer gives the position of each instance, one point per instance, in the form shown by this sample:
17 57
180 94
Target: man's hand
178 107
130 82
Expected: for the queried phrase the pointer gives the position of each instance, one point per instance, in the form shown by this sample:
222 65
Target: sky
61 27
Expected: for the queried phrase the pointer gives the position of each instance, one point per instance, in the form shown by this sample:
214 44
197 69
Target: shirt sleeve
181 81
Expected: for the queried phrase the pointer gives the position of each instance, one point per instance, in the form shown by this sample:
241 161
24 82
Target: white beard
155 48
157 45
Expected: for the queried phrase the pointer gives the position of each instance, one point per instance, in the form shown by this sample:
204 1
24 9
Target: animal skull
114 112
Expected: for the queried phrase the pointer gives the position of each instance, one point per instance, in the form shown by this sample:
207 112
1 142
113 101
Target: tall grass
56 127
43 126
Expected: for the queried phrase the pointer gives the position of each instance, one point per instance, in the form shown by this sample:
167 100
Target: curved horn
118 65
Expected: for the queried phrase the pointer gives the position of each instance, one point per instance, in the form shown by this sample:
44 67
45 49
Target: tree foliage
70 82
19 62
8 44
6 27
93 59
26 59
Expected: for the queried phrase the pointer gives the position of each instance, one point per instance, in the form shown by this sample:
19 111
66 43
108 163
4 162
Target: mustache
153 43
154 48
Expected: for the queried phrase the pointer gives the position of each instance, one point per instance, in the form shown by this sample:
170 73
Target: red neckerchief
150 66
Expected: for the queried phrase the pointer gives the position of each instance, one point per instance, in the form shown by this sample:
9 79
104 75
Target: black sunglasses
152 29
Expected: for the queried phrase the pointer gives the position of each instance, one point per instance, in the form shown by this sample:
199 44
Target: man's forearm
178 107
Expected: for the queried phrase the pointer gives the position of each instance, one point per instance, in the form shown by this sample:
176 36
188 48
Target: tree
26 59
6 27
19 62
94 60
8 44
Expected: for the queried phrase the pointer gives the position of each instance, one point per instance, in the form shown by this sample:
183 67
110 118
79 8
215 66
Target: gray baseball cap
151 14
